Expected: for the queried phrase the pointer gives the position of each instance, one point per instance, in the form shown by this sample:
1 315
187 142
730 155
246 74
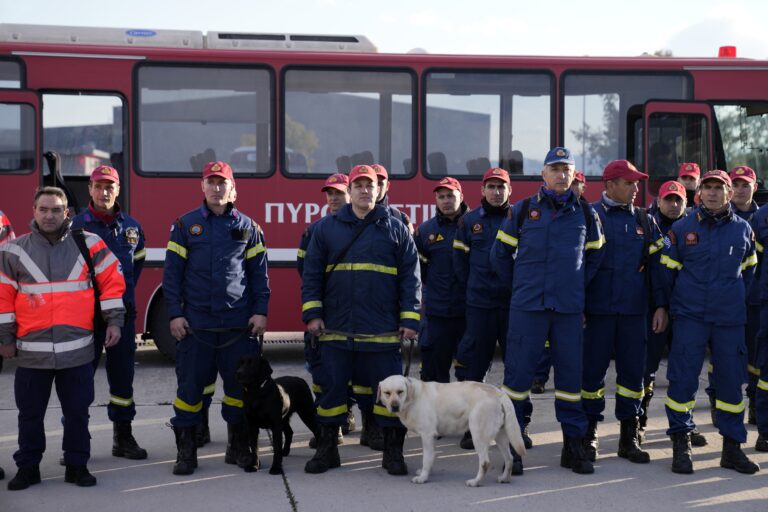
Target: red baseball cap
717 174
742 172
221 169
496 174
449 183
337 181
689 169
580 177
673 188
105 173
362 171
622 169
381 171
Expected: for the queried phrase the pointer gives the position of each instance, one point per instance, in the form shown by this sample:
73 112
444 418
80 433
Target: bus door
674 132
19 155
85 130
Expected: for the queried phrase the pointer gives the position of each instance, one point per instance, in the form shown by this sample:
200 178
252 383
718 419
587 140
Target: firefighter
550 244
761 357
669 206
383 198
710 259
487 298
541 376
6 234
617 305
361 295
216 290
443 294
47 304
690 176
336 190
125 238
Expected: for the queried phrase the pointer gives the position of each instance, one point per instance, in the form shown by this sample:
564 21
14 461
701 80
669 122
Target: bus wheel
160 328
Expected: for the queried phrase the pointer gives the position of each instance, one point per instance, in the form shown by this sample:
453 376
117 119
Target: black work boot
186 451
629 446
230 454
574 457
26 476
327 455
697 438
517 462
591 441
752 412
466 441
371 436
2 473
681 453
526 436
79 476
762 442
392 459
202 430
339 440
239 450
733 458
123 442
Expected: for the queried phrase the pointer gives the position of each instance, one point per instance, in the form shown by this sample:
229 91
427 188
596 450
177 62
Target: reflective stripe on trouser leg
120 366
761 360
630 343
729 356
379 365
336 365
686 358
227 361
566 344
599 337
195 363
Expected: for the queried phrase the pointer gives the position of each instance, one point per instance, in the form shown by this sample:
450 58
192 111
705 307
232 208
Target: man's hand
316 326
112 336
8 351
179 327
660 321
257 324
407 334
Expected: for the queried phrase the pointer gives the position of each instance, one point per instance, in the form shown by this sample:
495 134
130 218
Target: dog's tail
511 426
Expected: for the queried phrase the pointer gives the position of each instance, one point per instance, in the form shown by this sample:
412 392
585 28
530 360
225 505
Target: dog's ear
378 393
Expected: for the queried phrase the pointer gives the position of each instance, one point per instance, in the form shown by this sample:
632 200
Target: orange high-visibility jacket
47 299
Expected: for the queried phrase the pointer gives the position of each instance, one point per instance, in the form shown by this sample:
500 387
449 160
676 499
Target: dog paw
503 479
250 469
275 470
418 479
473 482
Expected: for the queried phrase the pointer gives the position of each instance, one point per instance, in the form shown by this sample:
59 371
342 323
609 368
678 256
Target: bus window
17 137
479 120
337 119
744 135
188 116
595 109
674 138
10 75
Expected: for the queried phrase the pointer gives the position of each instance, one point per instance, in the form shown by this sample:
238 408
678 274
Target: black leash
239 331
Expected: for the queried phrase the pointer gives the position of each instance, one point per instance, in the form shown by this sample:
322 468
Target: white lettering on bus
274 213
310 210
294 212
268 214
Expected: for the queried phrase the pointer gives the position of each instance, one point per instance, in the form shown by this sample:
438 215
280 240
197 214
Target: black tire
160 328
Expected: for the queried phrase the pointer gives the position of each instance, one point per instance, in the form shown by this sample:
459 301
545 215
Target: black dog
270 404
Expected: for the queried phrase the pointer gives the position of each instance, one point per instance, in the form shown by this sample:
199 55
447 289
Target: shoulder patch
671 237
691 238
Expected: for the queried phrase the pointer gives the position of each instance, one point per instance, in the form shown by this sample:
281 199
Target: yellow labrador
433 409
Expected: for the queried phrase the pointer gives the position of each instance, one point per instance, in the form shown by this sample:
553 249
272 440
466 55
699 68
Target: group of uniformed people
551 279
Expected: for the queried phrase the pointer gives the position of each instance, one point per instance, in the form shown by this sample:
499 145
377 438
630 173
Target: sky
508 27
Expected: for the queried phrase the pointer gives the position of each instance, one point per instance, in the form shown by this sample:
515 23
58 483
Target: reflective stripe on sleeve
140 255
311 304
595 244
758 246
656 246
762 384
254 251
105 263
7 318
507 239
111 304
301 253
749 262
410 315
178 249
670 263
458 244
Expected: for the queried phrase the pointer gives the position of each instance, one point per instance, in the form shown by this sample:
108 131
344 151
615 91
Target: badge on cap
477 228
739 171
534 214
195 229
672 187
560 153
106 170
689 167
216 168
691 238
445 181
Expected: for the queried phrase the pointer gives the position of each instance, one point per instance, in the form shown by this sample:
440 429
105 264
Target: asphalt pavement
360 483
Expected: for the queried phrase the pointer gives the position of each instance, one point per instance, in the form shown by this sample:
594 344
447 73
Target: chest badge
691 238
196 229
477 228
132 236
534 214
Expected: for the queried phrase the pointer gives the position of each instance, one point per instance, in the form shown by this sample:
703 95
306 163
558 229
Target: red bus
287 110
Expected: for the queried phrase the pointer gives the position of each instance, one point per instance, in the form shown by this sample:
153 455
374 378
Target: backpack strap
526 206
641 216
79 237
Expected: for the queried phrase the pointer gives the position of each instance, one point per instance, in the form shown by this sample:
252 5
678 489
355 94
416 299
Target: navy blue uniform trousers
120 369
624 336
197 359
485 328
528 331
686 358
761 361
74 387
438 346
364 369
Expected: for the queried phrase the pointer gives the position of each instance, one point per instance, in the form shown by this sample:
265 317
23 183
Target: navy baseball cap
559 156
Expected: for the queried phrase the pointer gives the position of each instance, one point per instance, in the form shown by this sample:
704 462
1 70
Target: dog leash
409 353
239 331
